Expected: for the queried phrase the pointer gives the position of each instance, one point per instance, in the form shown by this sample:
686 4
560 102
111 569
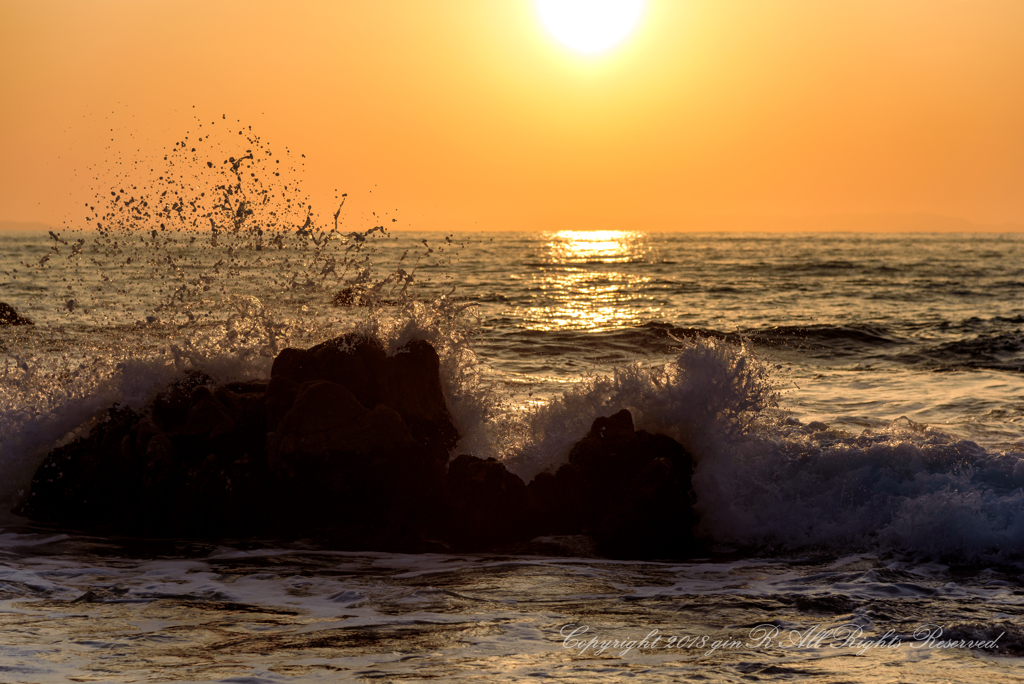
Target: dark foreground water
90 610
855 404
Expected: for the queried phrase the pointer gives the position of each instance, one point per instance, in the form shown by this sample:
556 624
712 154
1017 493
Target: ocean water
855 405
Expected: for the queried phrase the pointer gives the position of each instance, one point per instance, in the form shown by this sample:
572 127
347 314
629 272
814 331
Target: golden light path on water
583 281
585 246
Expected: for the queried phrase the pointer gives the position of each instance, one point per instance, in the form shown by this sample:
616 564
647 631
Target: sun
590 26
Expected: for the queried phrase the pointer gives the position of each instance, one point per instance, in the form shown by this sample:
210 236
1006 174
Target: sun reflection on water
594 246
589 280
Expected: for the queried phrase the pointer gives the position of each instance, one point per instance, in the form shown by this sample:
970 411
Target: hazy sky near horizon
462 114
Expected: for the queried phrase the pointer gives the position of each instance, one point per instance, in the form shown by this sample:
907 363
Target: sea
854 404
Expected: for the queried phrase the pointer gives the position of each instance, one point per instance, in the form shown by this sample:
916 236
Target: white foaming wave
759 481
711 394
920 492
764 482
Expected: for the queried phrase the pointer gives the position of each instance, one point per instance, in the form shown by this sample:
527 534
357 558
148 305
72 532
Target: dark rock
207 414
629 489
162 483
343 444
559 500
487 505
131 472
249 387
9 316
347 446
408 382
170 407
83 482
136 442
655 519
612 455
281 394
232 491
350 470
320 420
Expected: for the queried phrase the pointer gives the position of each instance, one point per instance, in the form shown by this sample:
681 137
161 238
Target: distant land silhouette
919 222
833 223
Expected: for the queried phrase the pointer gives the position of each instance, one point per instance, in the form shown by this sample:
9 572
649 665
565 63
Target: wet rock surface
348 446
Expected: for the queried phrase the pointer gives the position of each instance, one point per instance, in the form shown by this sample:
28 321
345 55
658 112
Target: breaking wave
219 262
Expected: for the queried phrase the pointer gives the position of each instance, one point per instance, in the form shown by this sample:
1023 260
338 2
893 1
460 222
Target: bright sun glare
590 26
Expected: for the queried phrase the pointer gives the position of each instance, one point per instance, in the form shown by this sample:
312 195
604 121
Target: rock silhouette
487 505
631 491
349 447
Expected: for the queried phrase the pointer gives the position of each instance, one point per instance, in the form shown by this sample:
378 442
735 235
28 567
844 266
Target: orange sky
465 114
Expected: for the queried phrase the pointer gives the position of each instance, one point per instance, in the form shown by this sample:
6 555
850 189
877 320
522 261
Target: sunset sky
469 115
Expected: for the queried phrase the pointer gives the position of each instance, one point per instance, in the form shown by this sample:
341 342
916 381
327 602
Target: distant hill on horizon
834 223
917 222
